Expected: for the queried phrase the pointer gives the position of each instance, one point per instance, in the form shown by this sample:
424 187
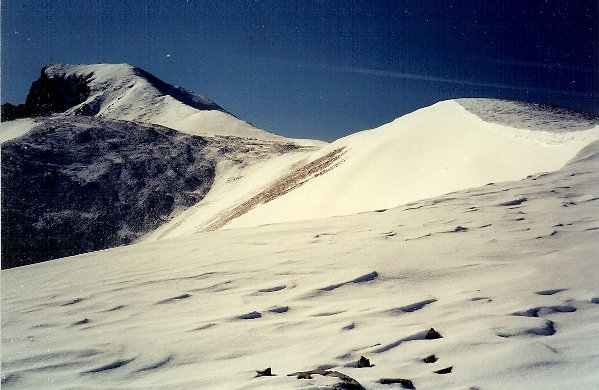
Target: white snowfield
433 151
478 218
506 273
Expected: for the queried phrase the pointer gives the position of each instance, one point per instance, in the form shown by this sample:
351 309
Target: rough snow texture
530 116
514 295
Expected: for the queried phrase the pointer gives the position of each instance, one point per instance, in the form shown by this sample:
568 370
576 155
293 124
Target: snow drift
433 151
505 273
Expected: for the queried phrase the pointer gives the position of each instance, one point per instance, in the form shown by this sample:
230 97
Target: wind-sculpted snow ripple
530 116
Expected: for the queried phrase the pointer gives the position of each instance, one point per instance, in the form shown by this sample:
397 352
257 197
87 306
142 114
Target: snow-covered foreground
506 273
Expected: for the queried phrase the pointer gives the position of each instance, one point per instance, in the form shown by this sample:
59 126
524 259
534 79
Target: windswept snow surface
15 129
125 92
433 151
506 273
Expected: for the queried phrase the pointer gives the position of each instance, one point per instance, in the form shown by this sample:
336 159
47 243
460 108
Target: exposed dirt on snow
297 177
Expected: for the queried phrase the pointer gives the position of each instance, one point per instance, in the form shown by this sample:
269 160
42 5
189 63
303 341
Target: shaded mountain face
529 116
79 184
181 94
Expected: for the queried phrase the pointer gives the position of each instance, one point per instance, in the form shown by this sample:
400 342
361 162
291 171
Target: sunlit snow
455 218
506 273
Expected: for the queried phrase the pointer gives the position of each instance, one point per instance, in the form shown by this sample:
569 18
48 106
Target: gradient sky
319 69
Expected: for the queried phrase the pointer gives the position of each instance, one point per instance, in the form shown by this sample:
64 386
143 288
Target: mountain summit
104 154
126 92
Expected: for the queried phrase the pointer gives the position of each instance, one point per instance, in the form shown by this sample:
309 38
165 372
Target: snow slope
125 92
433 151
15 129
506 273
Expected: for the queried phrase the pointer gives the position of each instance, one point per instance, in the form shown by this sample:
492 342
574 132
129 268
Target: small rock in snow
432 334
265 372
364 362
446 370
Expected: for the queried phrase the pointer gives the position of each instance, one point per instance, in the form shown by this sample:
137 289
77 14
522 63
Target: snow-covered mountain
92 169
447 147
505 273
454 248
126 92
74 184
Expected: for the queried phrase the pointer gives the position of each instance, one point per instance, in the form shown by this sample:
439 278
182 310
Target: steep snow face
125 92
433 151
505 273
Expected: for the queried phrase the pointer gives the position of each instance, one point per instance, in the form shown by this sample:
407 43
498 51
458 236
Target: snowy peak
181 94
430 152
108 83
126 92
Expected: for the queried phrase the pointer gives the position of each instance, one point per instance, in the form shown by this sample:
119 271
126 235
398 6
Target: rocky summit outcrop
85 88
79 184
49 95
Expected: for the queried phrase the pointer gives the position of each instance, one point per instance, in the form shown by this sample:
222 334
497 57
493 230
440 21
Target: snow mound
15 129
433 151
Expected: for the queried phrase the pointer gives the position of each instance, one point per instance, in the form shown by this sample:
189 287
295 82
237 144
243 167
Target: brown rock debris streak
280 187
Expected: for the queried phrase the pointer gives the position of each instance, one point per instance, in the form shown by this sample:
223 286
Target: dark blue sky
319 69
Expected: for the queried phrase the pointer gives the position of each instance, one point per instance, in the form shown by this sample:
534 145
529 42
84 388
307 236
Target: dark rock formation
459 229
430 359
49 95
432 334
11 112
347 382
79 184
514 202
265 372
405 383
446 370
364 362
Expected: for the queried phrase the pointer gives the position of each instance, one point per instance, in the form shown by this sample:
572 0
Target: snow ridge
531 116
126 92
